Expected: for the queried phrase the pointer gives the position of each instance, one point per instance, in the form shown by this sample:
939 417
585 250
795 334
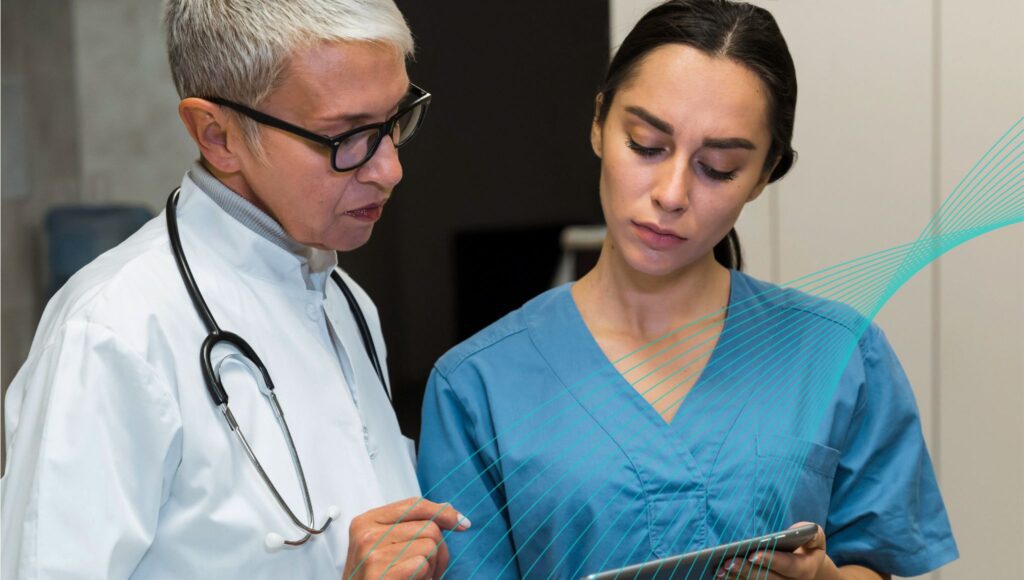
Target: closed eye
716 174
642 150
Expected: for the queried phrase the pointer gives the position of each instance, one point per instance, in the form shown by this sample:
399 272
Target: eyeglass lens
357 148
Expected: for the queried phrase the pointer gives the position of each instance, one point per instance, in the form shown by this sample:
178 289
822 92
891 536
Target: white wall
897 101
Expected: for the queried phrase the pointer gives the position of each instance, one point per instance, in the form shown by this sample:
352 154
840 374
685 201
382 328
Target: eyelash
717 175
641 150
652 151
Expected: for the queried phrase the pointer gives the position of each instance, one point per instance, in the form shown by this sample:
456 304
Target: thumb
815 543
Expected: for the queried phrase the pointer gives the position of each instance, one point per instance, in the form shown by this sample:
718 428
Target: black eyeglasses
354 147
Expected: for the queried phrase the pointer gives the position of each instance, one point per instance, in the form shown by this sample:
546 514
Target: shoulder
504 338
121 285
97 330
798 304
821 329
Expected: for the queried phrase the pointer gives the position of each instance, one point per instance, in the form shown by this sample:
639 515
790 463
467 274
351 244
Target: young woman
667 402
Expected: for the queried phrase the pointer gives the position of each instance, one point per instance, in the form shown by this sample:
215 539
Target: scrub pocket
794 480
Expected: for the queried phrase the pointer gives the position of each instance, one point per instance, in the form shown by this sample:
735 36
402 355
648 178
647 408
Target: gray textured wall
38 72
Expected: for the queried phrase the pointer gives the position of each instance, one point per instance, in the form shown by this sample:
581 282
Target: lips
657 238
369 213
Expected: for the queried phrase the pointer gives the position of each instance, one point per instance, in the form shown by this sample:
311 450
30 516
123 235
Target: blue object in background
76 235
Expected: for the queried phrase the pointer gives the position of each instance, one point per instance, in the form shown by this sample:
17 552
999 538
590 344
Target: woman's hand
808 562
401 540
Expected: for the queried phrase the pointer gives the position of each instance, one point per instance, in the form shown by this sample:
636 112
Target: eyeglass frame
384 129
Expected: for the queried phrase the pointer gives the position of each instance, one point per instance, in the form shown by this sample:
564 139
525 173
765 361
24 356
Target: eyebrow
354 118
668 129
361 118
650 119
732 143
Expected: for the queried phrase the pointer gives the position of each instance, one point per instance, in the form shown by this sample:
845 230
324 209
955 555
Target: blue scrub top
802 413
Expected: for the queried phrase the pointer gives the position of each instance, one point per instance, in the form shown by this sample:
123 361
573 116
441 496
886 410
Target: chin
656 265
349 243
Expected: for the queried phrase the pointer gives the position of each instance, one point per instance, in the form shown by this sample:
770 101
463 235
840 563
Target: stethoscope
211 375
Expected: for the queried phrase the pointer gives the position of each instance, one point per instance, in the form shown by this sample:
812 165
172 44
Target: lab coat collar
242 236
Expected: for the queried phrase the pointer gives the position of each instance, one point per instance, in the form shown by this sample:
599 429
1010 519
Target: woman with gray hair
126 459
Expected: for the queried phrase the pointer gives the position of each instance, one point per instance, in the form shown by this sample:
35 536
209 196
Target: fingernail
721 574
755 558
463 522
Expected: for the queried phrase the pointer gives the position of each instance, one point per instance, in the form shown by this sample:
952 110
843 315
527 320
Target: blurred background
898 99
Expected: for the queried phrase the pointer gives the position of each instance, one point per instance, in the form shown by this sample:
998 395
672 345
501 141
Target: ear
218 138
763 181
596 135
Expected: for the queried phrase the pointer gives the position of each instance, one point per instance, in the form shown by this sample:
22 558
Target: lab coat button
312 312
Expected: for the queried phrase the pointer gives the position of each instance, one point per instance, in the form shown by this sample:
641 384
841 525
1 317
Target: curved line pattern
989 197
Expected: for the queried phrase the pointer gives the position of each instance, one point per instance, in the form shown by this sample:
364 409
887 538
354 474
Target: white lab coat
120 466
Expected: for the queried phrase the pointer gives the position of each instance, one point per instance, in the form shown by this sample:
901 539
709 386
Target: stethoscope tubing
183 267
216 335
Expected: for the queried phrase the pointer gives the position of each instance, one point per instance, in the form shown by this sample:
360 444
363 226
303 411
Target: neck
237 183
646 306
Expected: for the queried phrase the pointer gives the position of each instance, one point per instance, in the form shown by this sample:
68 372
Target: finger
367 538
409 558
424 552
441 560
436 551
739 568
406 531
423 547
789 565
416 567
815 543
438 557
754 574
417 508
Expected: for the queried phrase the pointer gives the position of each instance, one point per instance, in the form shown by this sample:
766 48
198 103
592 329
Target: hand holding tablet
769 556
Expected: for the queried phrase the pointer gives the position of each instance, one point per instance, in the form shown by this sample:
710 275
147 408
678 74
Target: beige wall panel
863 182
623 14
981 307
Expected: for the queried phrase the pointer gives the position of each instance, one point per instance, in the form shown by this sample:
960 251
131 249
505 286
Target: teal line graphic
832 308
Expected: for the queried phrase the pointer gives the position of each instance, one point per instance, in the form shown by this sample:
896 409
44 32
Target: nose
671 192
384 168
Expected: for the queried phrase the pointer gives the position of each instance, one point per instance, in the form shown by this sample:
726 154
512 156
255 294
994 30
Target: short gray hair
238 49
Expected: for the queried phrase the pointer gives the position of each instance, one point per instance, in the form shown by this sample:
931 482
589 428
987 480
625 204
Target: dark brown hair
742 32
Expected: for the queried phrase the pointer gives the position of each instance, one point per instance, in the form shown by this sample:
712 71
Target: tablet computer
703 565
